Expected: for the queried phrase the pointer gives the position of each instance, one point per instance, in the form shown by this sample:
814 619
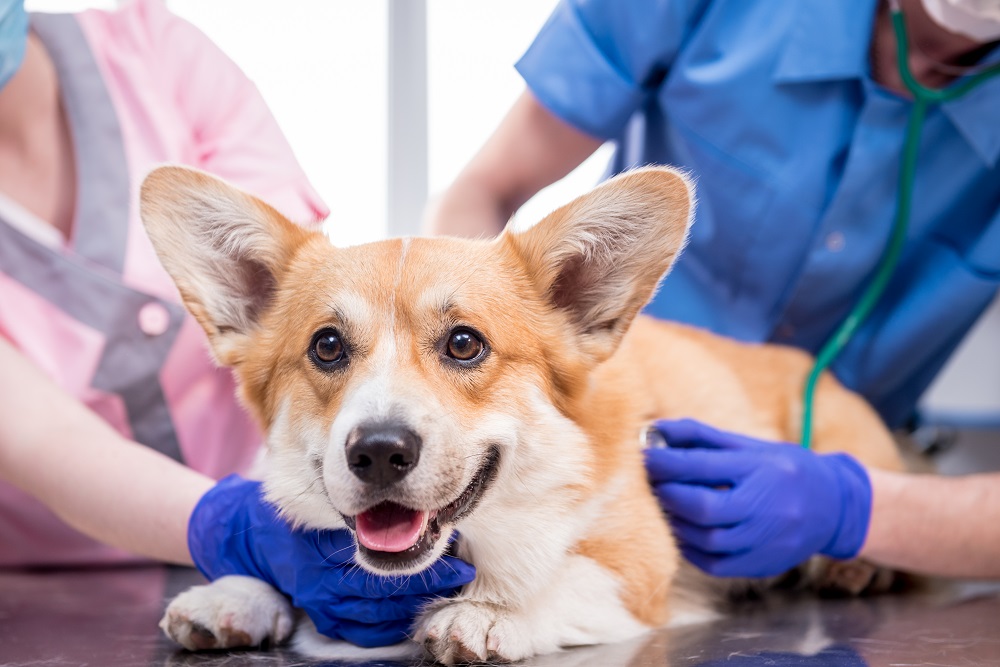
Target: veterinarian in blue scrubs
791 117
114 423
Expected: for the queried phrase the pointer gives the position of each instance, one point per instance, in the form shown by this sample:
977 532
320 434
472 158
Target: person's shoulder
141 29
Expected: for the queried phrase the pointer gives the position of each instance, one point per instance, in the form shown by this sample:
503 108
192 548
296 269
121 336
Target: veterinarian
114 422
792 120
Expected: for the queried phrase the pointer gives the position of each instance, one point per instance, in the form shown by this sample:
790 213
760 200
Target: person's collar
976 115
829 41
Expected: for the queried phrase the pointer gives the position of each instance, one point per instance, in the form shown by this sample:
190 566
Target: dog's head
401 382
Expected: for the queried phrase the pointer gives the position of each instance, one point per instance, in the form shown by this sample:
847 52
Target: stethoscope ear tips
651 438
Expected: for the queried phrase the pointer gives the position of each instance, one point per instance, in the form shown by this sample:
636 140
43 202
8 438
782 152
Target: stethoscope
923 97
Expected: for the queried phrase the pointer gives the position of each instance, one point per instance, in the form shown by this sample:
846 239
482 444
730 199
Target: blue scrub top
795 151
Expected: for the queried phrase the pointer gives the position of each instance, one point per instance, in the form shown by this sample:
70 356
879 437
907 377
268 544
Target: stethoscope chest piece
651 438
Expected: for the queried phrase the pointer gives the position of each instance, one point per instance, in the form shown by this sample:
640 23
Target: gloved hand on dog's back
234 531
741 507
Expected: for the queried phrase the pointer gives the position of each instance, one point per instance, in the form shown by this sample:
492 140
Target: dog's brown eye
327 348
464 345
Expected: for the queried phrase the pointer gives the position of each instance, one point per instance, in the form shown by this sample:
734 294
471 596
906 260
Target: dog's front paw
228 613
466 631
850 578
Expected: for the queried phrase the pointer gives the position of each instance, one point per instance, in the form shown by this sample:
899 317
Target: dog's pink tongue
389 527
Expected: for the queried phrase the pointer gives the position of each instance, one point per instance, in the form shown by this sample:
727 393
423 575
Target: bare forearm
102 484
530 149
468 208
946 526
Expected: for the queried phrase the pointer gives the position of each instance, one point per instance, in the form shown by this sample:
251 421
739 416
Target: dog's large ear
224 248
600 258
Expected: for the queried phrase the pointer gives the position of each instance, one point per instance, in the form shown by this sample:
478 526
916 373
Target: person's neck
29 100
930 47
37 168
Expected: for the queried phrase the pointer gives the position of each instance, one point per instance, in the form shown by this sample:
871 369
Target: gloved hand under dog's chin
234 531
746 508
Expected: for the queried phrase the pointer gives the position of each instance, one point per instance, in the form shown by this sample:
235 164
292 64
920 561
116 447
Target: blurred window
472 48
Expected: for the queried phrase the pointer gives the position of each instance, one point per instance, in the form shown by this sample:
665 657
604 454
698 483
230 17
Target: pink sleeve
234 134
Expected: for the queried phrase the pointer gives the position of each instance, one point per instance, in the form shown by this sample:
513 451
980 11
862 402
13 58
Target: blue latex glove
233 530
746 508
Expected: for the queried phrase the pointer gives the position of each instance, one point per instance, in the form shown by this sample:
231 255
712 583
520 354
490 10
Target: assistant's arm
946 526
104 485
530 149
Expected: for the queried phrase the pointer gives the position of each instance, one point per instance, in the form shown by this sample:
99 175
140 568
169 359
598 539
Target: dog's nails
201 637
236 638
464 654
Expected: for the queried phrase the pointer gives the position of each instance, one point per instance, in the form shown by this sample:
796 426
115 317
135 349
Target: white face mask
976 19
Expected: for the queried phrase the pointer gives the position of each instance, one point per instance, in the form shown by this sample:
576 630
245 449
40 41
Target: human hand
234 531
742 507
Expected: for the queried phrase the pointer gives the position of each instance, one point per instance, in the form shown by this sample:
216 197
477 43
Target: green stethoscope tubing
923 97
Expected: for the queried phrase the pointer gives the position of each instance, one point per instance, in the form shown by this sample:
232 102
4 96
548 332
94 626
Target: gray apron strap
131 362
102 204
87 284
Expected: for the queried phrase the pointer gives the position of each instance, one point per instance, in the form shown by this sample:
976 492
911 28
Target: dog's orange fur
410 293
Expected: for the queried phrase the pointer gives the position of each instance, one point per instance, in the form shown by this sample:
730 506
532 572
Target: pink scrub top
98 314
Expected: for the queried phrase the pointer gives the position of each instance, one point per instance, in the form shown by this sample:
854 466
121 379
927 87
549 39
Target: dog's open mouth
391 534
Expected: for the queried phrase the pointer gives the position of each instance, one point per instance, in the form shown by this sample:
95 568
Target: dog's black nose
382 454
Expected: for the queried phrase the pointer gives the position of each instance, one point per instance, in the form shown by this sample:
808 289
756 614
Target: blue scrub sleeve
594 62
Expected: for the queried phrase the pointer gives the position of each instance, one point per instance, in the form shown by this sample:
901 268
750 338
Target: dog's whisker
338 552
527 488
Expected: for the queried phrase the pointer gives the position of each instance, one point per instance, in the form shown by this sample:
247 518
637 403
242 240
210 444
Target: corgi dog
517 373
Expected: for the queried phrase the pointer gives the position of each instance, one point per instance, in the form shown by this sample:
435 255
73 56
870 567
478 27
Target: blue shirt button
835 241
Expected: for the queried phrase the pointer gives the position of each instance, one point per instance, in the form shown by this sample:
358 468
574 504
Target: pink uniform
99 314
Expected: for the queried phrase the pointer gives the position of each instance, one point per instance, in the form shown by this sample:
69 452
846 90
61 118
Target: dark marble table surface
107 618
